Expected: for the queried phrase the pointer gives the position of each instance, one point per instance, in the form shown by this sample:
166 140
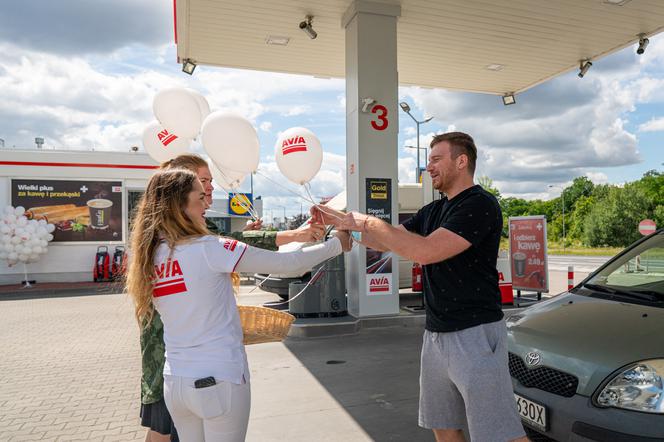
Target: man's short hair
460 143
189 161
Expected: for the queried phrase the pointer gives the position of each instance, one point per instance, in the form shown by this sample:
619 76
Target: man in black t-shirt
464 375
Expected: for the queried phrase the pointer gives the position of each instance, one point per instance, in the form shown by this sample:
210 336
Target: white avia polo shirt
194 295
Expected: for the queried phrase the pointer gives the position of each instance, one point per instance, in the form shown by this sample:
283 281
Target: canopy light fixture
643 44
188 66
509 99
276 40
616 2
494 67
584 65
307 28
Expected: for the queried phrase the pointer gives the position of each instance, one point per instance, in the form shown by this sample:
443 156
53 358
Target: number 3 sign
381 114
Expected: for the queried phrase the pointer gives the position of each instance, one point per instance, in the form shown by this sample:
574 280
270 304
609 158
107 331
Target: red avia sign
379 284
647 226
166 138
295 144
169 279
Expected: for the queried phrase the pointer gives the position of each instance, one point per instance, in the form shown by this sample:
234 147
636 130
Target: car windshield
638 274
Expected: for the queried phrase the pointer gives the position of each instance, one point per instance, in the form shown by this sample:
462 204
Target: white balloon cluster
180 113
230 140
22 240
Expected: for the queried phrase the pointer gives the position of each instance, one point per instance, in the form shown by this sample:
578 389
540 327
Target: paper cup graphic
519 264
100 213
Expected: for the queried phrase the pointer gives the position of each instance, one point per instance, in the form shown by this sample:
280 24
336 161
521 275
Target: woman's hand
345 239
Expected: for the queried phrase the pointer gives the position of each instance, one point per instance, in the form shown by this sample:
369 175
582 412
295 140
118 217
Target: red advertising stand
528 257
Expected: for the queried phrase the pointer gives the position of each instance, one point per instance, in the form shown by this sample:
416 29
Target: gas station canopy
489 46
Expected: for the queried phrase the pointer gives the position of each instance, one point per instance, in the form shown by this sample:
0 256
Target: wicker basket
261 324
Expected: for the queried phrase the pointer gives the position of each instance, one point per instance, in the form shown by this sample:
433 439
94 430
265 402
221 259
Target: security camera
134 148
366 102
583 68
307 28
643 44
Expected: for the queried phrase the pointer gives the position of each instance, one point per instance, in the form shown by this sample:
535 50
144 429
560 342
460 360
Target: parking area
71 366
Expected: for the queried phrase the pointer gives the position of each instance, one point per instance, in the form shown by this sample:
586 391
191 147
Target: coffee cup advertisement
81 210
528 257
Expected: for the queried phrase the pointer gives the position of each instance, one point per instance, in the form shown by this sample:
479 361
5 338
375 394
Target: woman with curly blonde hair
188 276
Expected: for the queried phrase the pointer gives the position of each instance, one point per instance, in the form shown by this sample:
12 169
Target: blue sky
85 74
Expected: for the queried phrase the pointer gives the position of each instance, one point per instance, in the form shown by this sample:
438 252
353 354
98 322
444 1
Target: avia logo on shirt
170 279
165 138
295 144
230 245
381 284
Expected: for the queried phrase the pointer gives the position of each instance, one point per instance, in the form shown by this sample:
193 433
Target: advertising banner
81 210
240 203
528 260
379 264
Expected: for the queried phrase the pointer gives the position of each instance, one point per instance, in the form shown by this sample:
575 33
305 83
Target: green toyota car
588 365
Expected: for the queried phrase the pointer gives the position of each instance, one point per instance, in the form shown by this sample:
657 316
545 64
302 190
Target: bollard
570 277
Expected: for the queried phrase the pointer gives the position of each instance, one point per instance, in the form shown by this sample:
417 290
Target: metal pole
417 170
563 198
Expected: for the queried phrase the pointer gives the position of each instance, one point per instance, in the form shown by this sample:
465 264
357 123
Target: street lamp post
284 207
562 196
406 108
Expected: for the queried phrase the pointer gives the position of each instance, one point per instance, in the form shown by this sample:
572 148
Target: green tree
487 184
613 220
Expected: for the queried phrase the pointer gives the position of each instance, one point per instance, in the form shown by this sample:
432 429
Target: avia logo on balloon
166 138
295 144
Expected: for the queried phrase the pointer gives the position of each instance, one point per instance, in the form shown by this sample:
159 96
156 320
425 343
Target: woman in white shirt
188 275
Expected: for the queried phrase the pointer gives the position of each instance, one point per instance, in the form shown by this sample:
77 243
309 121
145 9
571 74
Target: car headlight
640 387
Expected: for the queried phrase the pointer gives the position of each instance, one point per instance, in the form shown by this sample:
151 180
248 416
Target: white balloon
22 257
50 228
21 221
163 145
231 142
3 254
33 258
227 179
15 240
299 154
49 237
43 243
5 229
30 228
37 250
203 104
10 219
11 262
8 210
13 255
41 231
19 211
178 111
42 222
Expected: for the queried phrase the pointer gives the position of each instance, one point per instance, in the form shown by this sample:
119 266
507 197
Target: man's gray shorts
465 380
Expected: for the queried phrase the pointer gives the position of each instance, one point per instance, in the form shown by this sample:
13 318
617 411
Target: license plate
531 412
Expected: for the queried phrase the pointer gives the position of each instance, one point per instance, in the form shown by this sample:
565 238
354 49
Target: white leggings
217 413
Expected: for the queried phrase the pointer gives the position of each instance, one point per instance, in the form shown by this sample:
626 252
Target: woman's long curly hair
160 216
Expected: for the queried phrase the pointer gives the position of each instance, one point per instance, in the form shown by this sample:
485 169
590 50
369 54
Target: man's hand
323 214
313 232
254 225
354 221
345 239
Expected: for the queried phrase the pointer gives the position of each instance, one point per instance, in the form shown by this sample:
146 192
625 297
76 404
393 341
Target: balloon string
249 207
311 200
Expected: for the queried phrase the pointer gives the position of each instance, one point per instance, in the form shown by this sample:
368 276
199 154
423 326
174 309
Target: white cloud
654 125
597 177
297 110
265 126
